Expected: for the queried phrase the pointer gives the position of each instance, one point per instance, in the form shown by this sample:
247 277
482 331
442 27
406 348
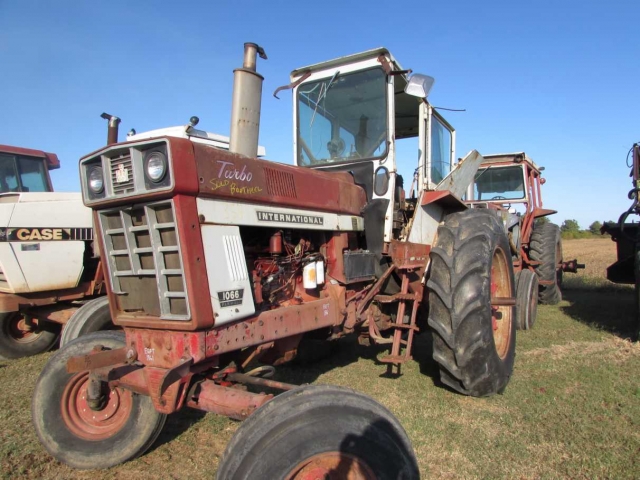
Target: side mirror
419 85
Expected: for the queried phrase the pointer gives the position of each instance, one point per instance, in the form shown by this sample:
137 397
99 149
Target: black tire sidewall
93 316
135 437
311 420
526 290
548 239
464 343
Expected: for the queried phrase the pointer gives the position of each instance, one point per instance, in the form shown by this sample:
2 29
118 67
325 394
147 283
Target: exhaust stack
245 108
112 130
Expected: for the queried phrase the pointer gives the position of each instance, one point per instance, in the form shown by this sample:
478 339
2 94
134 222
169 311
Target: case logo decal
26 234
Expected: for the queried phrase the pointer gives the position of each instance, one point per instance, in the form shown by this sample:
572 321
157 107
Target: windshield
22 174
343 117
499 183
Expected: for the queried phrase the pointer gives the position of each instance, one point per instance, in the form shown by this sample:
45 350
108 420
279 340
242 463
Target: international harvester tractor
510 184
216 259
626 269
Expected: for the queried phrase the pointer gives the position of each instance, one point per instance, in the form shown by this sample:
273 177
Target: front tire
18 340
319 432
124 428
526 299
474 341
546 247
93 316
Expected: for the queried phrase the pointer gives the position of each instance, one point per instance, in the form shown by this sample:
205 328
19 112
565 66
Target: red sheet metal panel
239 178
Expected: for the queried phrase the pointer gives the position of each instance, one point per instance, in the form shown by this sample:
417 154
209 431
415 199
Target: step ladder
397 355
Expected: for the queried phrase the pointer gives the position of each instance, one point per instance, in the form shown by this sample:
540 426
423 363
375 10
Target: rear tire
123 429
319 431
93 316
526 299
546 247
17 341
473 342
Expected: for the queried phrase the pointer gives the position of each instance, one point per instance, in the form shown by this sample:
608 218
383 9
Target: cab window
499 183
440 150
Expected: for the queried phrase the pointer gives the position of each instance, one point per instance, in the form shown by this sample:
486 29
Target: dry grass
596 253
572 409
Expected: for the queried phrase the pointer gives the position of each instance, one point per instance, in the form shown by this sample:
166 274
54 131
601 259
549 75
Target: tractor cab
509 181
26 170
358 114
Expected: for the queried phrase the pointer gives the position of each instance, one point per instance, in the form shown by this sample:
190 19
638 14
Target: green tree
570 226
542 220
595 227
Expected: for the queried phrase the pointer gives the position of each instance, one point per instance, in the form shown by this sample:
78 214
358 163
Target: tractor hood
238 178
43 209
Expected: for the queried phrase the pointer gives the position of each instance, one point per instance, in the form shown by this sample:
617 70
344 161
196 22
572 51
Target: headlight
155 166
96 180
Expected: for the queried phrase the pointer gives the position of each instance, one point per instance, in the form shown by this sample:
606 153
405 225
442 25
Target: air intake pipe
245 107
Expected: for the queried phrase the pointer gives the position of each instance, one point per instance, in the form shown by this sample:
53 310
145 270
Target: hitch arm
571 266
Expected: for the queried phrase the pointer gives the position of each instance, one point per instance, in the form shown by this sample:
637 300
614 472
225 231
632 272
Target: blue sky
557 79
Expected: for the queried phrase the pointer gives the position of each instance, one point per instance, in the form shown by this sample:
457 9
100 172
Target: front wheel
93 316
471 296
19 338
526 299
123 428
320 432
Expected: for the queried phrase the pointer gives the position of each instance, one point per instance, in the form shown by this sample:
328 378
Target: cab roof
516 157
348 59
52 159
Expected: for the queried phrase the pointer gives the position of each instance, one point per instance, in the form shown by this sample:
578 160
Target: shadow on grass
607 307
342 353
178 423
347 351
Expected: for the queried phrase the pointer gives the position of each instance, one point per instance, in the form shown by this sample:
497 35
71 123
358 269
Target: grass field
572 408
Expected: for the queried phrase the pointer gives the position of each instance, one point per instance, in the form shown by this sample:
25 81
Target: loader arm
435 205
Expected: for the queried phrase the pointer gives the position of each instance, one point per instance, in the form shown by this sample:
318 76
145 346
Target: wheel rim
90 424
332 466
18 330
501 315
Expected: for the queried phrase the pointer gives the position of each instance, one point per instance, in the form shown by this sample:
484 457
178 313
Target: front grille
145 264
280 184
122 175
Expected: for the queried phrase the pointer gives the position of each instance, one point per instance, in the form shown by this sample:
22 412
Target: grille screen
144 258
280 184
122 175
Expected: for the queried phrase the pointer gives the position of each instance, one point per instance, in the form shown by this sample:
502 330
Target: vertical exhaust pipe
112 129
245 107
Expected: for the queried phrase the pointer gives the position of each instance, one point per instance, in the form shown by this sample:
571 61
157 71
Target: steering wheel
500 197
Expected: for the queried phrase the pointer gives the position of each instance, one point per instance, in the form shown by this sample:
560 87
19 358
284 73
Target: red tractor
511 184
626 269
216 259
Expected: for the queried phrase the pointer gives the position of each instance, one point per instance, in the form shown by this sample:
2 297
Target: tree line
571 228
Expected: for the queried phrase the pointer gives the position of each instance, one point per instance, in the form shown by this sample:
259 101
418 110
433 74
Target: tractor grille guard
143 251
